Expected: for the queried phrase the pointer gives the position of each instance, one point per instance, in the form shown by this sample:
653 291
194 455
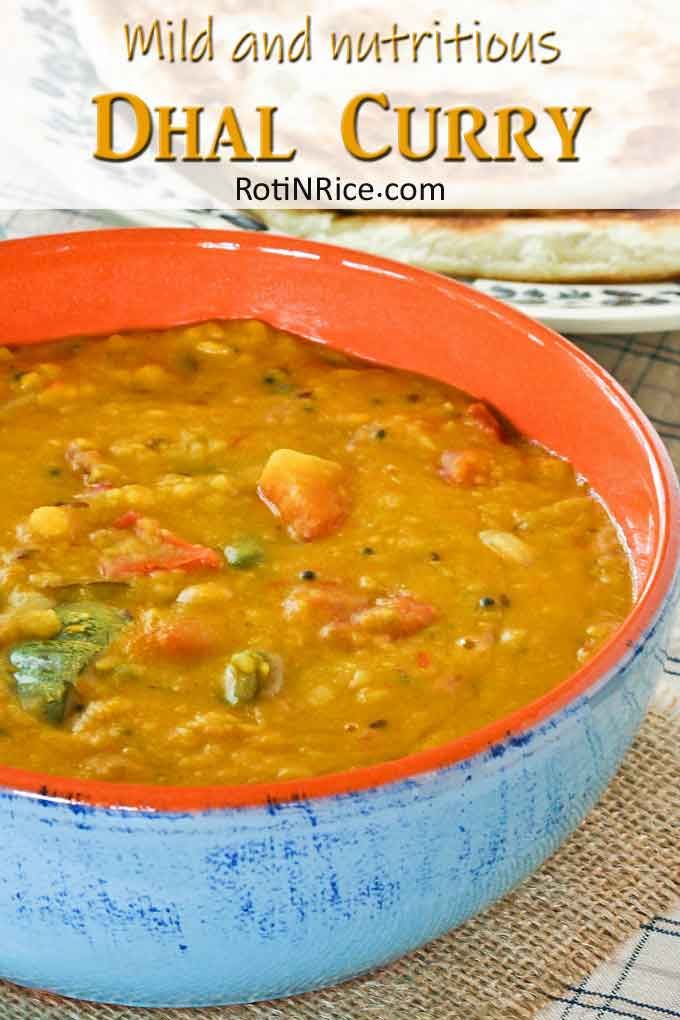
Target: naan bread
577 246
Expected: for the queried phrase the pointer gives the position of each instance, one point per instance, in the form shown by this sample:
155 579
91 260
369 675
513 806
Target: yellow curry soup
230 555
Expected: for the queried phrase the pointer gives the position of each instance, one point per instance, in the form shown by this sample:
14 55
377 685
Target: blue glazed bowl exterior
237 904
168 907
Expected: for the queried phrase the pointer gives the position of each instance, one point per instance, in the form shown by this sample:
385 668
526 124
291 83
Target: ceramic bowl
188 896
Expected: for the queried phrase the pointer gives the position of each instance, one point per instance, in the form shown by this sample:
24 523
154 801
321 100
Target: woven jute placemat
619 869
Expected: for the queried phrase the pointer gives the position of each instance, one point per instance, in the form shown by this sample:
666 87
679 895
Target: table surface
642 981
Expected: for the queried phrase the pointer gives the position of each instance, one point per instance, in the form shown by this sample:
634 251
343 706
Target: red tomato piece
85 461
327 600
349 616
127 520
396 615
193 558
391 617
480 414
162 550
466 468
177 639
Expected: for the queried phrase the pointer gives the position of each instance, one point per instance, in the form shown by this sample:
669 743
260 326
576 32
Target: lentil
199 461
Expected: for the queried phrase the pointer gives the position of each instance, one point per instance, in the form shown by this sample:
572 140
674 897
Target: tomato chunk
465 468
395 616
175 638
88 462
159 549
122 567
323 601
308 493
486 420
350 618
127 520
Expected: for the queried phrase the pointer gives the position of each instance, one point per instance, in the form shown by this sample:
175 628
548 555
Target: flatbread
627 246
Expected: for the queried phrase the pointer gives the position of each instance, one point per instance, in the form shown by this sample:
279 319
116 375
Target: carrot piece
486 420
424 659
308 493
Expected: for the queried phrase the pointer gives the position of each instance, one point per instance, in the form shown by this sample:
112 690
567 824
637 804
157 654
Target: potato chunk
308 493
508 546
50 522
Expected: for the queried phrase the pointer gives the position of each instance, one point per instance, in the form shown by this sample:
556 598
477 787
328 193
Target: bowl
168 896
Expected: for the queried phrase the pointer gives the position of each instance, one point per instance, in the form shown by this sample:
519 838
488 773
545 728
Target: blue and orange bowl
196 895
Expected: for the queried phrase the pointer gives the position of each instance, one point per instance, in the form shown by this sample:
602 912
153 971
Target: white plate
593 308
567 307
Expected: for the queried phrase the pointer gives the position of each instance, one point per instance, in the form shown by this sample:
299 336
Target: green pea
244 676
244 554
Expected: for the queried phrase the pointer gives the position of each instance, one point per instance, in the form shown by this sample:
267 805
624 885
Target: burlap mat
620 868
